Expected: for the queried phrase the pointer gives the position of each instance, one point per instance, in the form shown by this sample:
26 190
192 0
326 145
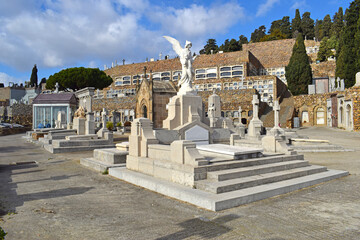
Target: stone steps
79 143
223 165
53 149
255 170
218 202
106 158
256 180
319 148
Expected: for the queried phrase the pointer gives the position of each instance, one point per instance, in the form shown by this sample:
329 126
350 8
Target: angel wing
175 44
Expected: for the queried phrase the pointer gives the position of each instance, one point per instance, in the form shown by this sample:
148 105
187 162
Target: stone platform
106 158
232 182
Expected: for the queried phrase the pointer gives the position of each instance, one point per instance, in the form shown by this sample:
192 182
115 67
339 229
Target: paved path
57 198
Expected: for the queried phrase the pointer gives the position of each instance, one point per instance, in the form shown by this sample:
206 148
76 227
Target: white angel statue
186 60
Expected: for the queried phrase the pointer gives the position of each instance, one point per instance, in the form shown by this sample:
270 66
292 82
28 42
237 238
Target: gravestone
103 129
311 89
255 124
90 124
357 77
214 110
61 120
276 130
79 121
198 135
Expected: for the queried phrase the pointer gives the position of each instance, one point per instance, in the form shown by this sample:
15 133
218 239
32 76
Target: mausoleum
47 106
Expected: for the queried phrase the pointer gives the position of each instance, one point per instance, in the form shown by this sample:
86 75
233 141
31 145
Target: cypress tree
338 23
296 23
34 77
346 64
327 26
307 26
298 71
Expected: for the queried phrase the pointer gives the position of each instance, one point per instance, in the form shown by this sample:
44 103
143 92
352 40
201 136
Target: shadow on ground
202 228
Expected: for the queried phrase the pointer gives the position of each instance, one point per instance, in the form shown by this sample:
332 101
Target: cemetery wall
22 114
112 104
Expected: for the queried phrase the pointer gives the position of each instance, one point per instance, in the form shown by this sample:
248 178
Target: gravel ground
57 198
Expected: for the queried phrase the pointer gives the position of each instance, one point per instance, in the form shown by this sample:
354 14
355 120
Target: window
165 74
237 73
211 75
225 69
198 76
225 74
206 73
200 71
176 75
237 68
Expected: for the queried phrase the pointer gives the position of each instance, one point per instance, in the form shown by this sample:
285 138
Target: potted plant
110 126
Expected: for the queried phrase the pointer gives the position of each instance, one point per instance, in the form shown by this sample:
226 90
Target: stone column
90 124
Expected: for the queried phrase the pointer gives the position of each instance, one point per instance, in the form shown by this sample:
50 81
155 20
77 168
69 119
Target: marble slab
228 150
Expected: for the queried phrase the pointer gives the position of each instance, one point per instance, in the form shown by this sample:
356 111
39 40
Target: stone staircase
236 182
61 146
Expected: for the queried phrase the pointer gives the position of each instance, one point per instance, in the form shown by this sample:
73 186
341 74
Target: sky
60 34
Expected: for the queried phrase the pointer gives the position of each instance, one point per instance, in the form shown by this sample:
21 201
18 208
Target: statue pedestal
79 125
183 109
254 129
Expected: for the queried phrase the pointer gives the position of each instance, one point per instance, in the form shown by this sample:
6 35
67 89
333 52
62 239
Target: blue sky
58 34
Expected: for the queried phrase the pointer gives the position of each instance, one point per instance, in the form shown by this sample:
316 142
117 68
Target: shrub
109 125
127 124
2 234
119 124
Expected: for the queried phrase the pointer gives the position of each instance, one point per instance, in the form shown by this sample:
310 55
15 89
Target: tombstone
342 85
90 124
320 87
357 77
276 130
332 84
311 89
103 129
255 124
61 120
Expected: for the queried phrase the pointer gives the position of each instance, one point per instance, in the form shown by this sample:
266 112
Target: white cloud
299 4
265 7
54 34
6 79
196 20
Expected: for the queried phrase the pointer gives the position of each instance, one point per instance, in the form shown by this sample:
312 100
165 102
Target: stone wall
22 114
112 104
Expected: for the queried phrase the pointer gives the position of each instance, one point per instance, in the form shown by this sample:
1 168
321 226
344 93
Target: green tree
324 50
34 77
225 46
327 24
210 45
318 29
242 40
282 25
258 34
348 50
307 26
296 23
77 78
338 23
275 35
298 71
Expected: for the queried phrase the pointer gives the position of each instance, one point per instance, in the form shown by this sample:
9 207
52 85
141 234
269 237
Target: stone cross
276 113
57 87
255 103
103 117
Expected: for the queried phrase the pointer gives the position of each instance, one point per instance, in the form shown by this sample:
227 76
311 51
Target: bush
127 124
2 234
119 124
109 125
